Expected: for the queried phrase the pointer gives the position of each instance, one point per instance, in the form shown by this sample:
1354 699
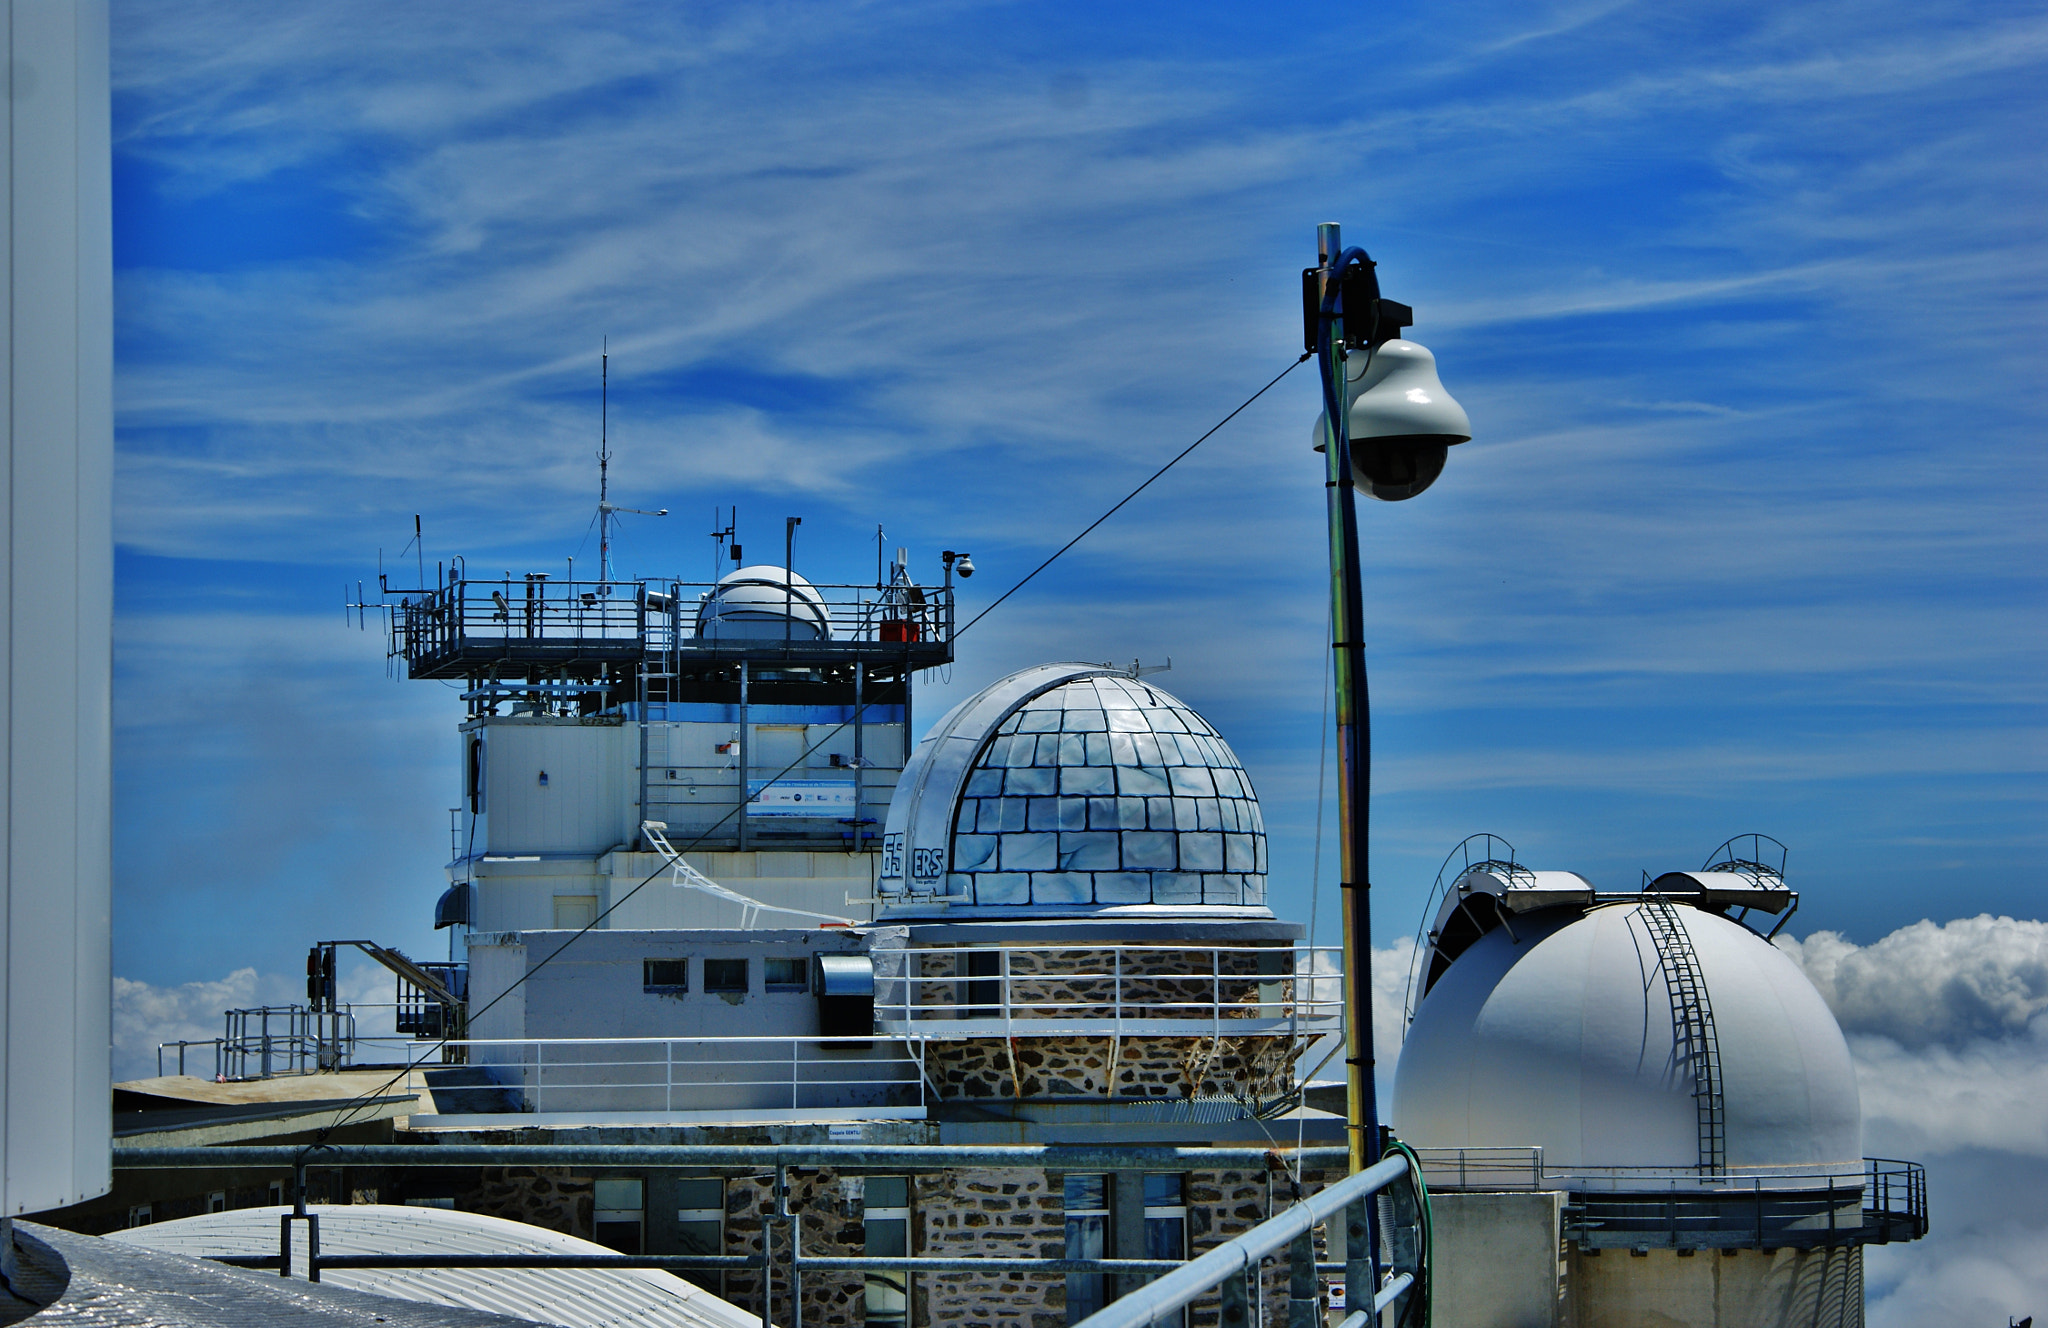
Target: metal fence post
1235 1312
1302 1300
1359 1282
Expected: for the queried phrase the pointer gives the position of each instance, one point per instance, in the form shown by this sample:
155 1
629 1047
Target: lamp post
1385 428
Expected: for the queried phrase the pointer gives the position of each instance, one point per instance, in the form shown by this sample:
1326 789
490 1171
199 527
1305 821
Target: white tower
56 362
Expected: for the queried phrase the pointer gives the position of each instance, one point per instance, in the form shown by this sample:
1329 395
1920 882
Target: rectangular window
1087 1212
1166 1229
666 977
700 1228
725 975
885 1204
786 974
621 1210
141 1215
217 1202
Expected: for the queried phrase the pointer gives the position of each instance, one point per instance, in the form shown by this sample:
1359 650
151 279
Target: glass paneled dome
1096 789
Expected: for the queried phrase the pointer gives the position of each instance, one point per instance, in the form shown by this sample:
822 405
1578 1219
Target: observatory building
1648 1077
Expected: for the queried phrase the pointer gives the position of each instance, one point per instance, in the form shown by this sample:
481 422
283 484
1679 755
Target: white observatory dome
1072 787
762 602
1560 1031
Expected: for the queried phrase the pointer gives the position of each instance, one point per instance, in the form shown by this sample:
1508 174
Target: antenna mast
604 462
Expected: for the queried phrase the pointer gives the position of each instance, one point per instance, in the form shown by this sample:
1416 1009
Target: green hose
1415 1307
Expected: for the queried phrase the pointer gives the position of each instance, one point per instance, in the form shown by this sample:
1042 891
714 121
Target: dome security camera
965 567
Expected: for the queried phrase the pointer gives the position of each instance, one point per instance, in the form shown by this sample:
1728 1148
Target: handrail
1147 1304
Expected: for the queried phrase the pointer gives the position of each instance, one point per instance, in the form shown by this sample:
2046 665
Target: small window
700 1228
620 1210
1087 1220
217 1202
885 1216
785 974
668 977
725 975
141 1215
276 1193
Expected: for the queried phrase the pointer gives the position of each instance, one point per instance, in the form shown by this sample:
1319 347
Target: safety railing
1230 1266
1110 990
1880 1201
732 1078
539 619
264 1042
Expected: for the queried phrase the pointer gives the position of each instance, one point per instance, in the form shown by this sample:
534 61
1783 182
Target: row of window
671 977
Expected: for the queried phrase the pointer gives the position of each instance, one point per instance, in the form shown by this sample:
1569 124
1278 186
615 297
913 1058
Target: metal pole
745 756
1354 721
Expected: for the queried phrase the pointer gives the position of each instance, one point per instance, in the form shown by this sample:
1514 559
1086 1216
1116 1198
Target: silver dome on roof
1074 788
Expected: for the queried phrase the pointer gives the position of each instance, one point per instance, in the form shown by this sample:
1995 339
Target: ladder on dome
1692 1016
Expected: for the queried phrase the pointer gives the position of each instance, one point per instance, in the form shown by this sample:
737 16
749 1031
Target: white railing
732 1078
1110 991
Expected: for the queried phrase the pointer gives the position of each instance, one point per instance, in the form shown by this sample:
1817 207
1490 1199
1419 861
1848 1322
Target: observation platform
469 629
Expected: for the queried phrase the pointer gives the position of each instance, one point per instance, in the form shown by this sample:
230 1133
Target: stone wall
966 1214
1248 1069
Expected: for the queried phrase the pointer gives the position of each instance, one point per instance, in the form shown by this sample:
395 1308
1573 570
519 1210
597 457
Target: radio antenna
604 462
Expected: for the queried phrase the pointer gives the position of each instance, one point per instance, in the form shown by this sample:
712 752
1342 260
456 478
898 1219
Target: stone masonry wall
968 1214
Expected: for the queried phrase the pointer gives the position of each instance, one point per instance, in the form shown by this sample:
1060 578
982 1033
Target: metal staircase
1692 1017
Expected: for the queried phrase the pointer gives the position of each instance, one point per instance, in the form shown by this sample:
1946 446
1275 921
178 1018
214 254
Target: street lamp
1387 423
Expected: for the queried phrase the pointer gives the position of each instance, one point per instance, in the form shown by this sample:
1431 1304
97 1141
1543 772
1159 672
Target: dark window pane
792 974
887 1237
725 975
701 1194
1165 1238
700 1238
621 1236
1086 1192
1162 1191
892 1191
665 974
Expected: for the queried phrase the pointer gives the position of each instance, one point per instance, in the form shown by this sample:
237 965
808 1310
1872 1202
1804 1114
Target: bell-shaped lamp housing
1402 420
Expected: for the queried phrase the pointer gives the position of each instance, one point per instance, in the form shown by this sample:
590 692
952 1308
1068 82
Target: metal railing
733 1078
540 619
263 1042
1881 1201
1228 1267
1109 991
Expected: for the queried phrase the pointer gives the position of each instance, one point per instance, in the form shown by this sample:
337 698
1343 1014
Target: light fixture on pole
1386 431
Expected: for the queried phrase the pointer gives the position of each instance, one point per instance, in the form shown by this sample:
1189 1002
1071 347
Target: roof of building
90 1282
1073 789
573 1297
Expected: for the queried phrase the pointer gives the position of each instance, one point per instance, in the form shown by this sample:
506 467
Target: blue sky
1745 304
1745 301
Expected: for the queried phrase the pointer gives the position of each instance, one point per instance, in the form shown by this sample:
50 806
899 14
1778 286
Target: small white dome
1565 1039
763 602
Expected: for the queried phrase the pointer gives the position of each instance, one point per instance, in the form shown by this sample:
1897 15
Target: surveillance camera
965 567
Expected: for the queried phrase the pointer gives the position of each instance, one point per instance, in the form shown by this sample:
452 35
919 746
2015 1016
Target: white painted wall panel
56 369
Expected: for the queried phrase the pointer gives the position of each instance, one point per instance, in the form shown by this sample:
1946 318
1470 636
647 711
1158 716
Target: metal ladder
1692 1017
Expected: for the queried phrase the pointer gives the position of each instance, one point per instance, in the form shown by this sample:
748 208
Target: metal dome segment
1563 1037
1076 786
1487 887
763 602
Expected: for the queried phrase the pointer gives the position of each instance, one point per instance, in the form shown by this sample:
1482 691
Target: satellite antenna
606 508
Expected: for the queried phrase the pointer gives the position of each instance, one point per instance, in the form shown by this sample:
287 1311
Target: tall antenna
604 463
605 506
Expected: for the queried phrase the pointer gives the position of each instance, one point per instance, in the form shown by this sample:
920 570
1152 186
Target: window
885 1203
785 974
620 1213
667 977
575 912
217 1202
725 975
1166 1229
476 776
276 1193
700 1228
1087 1208
141 1215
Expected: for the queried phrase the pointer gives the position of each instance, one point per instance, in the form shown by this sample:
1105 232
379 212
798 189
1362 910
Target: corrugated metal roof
571 1297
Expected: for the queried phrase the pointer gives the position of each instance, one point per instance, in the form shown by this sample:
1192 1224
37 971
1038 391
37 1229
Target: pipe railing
1229 1264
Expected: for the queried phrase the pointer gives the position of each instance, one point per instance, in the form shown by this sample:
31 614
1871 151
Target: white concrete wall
56 366
1497 1260
588 803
